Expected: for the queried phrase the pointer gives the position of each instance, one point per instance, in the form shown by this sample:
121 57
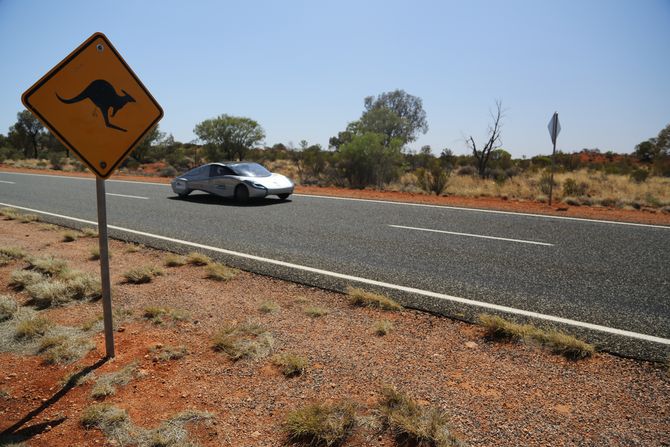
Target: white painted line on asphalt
5 181
428 293
479 210
391 202
473 235
125 195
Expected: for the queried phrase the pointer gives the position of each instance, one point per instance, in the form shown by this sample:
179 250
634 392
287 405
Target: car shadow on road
210 199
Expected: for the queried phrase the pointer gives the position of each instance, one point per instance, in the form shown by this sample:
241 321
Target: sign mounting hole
100 48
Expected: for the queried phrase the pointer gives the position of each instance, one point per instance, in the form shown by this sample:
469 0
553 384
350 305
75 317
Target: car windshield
251 170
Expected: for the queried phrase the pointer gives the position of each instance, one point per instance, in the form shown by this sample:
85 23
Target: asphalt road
615 276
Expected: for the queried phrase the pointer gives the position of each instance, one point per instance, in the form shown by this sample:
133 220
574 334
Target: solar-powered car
241 181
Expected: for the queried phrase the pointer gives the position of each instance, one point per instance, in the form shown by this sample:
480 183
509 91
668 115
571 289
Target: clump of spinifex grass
570 347
69 285
48 265
31 328
8 307
247 340
70 236
268 307
142 275
174 261
166 353
220 272
28 218
95 254
360 297
412 424
198 259
89 232
10 254
316 311
321 424
158 315
291 364
20 279
382 327
63 347
9 213
107 383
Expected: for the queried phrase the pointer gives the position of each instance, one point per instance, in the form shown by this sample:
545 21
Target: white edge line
390 202
472 235
5 181
484 305
125 195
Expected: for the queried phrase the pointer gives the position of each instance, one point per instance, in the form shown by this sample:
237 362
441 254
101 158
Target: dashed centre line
473 235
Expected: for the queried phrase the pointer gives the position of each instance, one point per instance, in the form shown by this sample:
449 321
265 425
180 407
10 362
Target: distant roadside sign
554 127
95 105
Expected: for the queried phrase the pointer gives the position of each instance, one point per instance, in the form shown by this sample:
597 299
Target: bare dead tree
494 141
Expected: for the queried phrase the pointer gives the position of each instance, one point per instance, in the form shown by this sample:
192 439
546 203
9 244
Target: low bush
8 307
321 424
220 272
142 275
359 297
412 424
291 364
382 327
558 342
243 341
198 259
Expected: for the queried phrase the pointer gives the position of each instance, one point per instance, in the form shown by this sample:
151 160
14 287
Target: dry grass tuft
268 307
31 328
103 416
89 232
498 328
9 213
316 311
220 272
142 275
20 279
412 424
198 259
157 315
95 254
248 340
382 327
8 307
62 348
70 236
359 297
291 364
107 383
174 261
166 353
321 424
70 285
134 248
10 254
28 218
48 265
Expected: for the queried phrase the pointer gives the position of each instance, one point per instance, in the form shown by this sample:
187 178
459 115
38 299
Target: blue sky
302 68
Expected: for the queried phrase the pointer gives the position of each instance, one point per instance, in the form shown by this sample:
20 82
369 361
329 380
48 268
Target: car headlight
254 184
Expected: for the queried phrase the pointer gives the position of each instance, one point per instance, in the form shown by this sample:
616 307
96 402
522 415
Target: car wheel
241 194
283 196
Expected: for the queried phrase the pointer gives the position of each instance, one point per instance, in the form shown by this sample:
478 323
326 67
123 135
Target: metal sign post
104 267
100 110
554 128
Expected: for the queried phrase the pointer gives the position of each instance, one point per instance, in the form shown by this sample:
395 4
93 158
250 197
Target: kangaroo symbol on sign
103 95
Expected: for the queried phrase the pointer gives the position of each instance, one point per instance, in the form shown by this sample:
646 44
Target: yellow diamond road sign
95 105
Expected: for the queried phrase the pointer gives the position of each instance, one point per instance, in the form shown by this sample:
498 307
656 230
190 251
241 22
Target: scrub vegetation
498 328
142 275
321 424
359 297
243 341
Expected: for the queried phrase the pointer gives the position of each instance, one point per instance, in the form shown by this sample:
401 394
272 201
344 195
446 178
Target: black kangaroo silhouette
103 95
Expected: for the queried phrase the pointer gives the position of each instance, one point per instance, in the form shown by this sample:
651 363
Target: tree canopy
229 137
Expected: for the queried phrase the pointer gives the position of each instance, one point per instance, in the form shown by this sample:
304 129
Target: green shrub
572 188
639 175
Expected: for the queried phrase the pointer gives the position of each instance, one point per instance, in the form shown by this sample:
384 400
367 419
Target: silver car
242 181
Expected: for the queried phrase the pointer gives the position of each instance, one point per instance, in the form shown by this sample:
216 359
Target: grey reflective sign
554 127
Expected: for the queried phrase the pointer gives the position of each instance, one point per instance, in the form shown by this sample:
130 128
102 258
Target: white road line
125 195
390 202
473 235
5 181
428 293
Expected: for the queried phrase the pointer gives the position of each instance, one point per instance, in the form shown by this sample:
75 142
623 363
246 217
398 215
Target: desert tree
483 153
229 137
